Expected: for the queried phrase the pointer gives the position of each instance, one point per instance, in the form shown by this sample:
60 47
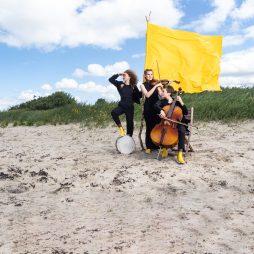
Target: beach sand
65 189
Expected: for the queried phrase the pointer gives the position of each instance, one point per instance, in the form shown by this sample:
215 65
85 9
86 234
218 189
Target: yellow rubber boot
164 153
148 150
121 131
180 158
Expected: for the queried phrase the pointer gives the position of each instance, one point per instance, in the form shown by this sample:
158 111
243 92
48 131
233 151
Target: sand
65 189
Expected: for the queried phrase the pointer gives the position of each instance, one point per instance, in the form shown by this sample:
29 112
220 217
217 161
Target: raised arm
148 94
113 80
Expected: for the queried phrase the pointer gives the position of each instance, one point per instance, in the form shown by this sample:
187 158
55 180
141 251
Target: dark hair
133 77
170 89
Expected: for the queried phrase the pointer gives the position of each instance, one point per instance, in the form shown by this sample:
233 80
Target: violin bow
174 121
158 70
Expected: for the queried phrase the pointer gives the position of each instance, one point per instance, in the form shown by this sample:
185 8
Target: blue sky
75 45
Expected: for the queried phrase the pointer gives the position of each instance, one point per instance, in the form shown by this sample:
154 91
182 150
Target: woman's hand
162 114
159 85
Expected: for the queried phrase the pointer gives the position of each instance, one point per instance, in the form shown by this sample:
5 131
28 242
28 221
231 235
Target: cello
165 134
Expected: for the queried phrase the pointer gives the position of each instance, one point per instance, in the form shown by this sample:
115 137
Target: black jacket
129 94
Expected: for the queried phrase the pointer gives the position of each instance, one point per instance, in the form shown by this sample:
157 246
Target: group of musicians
156 98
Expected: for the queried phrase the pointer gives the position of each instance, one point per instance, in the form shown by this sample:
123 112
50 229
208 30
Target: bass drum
125 145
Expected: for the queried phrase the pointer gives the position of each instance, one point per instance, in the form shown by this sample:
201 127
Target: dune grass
232 104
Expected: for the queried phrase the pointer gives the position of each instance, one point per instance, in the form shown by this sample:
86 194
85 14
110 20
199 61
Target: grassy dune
232 104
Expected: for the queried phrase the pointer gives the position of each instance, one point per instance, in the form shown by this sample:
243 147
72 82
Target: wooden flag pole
142 104
141 123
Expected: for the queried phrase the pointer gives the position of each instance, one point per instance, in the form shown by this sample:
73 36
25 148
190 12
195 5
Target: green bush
57 99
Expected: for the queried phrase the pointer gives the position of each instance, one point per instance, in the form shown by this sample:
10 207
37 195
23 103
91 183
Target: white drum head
125 144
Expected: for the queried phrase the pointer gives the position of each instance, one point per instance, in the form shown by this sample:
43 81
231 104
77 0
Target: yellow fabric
191 58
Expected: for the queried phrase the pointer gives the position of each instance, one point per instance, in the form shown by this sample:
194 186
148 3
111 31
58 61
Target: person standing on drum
151 93
129 94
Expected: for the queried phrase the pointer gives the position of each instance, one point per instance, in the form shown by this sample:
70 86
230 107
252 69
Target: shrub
57 99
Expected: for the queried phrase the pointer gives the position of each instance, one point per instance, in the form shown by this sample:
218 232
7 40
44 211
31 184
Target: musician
167 100
129 94
151 93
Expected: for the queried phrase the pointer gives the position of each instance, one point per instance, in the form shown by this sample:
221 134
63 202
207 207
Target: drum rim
133 143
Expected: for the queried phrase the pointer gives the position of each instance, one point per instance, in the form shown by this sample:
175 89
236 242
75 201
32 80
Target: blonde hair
145 72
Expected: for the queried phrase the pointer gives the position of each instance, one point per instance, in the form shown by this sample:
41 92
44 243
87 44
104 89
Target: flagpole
143 100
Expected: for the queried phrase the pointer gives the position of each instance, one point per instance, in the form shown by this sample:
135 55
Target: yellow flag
189 57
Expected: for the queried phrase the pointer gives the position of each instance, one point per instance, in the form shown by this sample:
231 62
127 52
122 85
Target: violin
164 82
165 133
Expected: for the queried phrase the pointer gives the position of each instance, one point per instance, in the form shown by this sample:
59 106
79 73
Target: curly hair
133 77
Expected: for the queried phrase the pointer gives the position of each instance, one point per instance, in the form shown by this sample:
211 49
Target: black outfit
129 94
181 128
150 115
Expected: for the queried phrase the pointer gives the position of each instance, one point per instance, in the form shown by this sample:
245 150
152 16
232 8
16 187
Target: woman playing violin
167 100
151 92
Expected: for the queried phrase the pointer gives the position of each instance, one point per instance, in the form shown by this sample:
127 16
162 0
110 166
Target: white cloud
91 86
140 55
235 26
77 98
78 73
100 71
237 68
108 92
96 70
245 11
46 94
240 38
66 83
5 103
48 24
249 32
28 95
238 62
24 96
237 81
211 21
46 87
233 40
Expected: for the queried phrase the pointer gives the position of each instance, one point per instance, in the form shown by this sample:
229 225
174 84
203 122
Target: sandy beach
65 189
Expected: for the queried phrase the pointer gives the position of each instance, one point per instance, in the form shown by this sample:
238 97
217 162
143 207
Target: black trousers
181 136
151 120
129 113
